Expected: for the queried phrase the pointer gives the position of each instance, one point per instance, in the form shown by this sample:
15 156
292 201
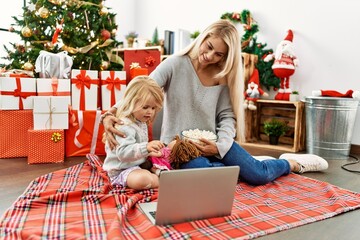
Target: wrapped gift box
84 134
138 72
84 89
46 146
53 87
17 93
51 112
14 129
113 86
149 59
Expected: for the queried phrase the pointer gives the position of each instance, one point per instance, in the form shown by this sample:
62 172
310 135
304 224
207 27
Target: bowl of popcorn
196 134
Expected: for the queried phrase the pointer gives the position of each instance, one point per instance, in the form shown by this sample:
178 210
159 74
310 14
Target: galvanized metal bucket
329 126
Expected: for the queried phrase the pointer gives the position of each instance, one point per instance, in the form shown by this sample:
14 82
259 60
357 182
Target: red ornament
105 34
275 89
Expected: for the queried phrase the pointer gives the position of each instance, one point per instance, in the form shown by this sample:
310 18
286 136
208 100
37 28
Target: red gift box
84 134
46 146
14 129
138 72
148 59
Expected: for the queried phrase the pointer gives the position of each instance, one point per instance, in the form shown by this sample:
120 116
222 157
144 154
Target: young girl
143 98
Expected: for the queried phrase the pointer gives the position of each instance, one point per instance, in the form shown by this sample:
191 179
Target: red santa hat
289 36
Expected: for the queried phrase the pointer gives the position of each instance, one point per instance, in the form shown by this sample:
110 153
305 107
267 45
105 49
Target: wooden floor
16 174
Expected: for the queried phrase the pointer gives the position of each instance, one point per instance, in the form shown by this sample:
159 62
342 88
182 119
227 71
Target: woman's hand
206 147
110 131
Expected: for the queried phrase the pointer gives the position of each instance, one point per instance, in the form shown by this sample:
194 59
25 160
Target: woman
203 89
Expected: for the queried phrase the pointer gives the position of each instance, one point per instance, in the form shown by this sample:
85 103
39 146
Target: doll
174 154
284 65
253 91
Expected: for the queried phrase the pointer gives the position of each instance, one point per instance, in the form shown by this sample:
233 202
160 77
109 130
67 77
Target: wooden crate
290 112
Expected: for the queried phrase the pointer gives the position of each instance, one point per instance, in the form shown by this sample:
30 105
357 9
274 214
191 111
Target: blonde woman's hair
231 65
140 90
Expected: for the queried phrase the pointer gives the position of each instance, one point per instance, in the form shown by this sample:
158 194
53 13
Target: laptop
193 194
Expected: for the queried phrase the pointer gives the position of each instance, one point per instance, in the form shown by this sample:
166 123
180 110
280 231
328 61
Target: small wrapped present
16 73
113 86
84 89
50 65
137 70
148 59
46 146
51 112
53 87
14 129
17 93
84 134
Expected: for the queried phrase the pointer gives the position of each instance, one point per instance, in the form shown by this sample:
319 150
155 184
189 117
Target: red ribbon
54 86
81 81
18 93
113 83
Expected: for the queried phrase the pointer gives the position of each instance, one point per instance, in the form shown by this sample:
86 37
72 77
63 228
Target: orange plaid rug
79 203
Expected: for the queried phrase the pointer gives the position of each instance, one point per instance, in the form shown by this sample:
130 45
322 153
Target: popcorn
196 134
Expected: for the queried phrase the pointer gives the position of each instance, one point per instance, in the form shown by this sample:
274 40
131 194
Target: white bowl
196 134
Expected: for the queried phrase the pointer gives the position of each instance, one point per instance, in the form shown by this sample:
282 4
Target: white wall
326 34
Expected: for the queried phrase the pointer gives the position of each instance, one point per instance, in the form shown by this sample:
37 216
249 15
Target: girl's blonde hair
231 65
139 91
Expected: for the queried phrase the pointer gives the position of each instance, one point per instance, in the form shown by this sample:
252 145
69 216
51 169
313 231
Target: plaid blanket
80 203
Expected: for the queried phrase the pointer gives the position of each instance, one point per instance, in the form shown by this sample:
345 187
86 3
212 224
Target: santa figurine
284 65
253 91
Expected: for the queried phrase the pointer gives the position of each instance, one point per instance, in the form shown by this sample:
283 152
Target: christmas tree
250 45
85 29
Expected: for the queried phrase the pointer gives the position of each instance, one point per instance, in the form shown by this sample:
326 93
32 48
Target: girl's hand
206 147
154 147
110 131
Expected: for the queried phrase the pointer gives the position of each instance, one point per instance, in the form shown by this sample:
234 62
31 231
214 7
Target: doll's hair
139 91
183 151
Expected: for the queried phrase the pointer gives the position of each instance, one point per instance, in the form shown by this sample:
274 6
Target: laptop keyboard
153 213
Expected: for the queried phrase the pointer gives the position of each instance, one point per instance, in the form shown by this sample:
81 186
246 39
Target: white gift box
113 86
51 112
17 93
53 87
84 89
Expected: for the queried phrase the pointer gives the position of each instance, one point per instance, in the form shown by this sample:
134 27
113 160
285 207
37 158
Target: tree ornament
105 34
113 32
104 65
104 11
43 12
26 31
28 66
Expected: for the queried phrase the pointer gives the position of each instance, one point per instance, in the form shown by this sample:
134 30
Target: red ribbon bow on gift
81 81
113 83
149 61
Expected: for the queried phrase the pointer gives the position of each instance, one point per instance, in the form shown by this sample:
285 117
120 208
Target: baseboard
355 149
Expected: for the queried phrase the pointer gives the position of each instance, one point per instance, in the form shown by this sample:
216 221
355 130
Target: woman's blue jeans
252 171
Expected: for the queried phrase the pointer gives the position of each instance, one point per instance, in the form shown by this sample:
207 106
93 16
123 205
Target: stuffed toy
284 65
177 152
333 93
253 91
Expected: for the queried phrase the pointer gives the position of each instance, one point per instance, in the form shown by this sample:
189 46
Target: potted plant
130 37
194 34
274 129
294 96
